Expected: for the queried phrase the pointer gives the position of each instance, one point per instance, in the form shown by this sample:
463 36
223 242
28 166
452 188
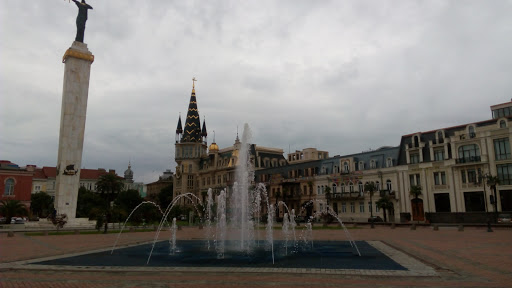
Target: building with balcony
451 165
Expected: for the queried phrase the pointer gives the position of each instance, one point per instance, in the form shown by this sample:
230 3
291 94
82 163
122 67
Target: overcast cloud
341 76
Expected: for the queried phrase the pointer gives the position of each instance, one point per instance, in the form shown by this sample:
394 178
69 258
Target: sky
339 76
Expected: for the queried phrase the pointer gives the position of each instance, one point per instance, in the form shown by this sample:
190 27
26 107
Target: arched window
334 188
389 186
373 164
342 187
377 185
361 187
351 187
345 167
440 137
503 124
9 187
361 165
389 162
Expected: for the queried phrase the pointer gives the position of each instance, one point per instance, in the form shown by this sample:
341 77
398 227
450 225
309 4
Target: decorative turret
204 134
179 130
192 131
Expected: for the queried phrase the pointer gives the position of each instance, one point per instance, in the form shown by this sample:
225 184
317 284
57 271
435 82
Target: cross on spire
193 82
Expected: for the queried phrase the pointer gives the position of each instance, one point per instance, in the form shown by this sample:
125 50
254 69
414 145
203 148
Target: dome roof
128 173
213 147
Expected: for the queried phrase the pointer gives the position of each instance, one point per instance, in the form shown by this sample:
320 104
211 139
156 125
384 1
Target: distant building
16 182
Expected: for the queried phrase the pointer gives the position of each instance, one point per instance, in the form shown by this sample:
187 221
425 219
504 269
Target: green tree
125 202
385 203
89 204
109 185
165 196
41 204
11 208
415 191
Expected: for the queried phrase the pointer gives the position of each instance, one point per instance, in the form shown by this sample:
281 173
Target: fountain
230 235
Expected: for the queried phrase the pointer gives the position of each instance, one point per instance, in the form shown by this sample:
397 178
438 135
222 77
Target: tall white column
75 91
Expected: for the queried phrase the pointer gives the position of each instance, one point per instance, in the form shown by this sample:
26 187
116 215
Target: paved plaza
444 258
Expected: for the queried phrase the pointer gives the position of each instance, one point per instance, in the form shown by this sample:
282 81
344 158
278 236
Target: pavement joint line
414 267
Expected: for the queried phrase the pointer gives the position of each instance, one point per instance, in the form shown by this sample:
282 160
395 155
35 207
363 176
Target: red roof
51 172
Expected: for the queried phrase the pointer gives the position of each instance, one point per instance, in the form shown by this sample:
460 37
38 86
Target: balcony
471 159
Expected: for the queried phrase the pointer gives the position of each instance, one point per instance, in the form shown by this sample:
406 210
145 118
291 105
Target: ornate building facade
450 165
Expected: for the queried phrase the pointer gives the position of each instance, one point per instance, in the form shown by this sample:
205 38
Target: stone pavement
469 258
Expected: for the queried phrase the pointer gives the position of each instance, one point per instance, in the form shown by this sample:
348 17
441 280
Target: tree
41 204
416 191
370 187
385 203
11 208
109 185
88 204
165 196
125 202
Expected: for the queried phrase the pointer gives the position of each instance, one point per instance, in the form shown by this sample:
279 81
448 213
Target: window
377 186
503 124
352 207
190 182
502 148
439 178
469 153
471 176
351 187
504 174
334 186
389 186
343 207
342 187
414 179
377 209
361 207
345 167
9 187
361 165
37 188
361 187
439 155
389 162
502 112
415 158
373 164
370 207
318 191
471 131
440 138
463 176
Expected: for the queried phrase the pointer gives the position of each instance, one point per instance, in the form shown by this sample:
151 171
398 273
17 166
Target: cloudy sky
341 76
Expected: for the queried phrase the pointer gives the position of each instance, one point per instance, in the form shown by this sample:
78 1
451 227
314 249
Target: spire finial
194 82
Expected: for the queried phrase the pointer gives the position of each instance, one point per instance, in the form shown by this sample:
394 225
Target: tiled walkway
444 258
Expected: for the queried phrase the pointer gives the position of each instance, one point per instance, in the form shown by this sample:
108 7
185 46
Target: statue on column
81 19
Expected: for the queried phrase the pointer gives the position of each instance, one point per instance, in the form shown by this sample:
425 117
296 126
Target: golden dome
213 147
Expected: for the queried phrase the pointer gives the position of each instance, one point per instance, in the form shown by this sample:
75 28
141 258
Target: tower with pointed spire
190 146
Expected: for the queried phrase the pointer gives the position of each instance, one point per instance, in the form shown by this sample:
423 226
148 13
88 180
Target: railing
471 159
